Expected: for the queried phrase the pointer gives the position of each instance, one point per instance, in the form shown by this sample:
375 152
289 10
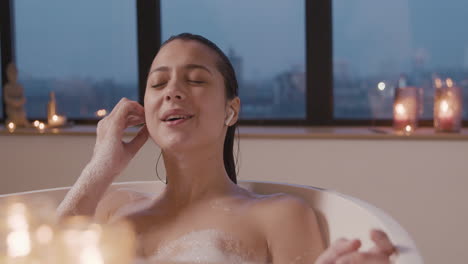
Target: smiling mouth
175 118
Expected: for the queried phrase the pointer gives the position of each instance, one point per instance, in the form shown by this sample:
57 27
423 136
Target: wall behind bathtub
422 184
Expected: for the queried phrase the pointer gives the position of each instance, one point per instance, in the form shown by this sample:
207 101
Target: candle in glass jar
447 107
405 106
404 115
400 116
446 116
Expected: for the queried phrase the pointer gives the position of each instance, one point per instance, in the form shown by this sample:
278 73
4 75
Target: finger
338 248
363 258
138 141
117 107
123 109
382 243
131 108
133 120
129 118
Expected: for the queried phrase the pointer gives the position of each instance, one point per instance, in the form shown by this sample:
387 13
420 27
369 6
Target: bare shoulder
116 199
277 206
290 227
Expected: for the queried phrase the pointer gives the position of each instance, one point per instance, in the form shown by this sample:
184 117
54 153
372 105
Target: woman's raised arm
110 157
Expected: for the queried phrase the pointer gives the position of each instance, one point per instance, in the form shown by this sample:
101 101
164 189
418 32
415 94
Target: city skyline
374 40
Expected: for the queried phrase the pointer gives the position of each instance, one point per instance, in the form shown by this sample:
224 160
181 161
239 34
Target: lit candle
36 123
445 116
405 107
404 115
400 112
101 112
41 127
11 127
56 121
447 107
408 129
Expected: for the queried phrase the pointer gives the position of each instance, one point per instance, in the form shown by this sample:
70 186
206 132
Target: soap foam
204 246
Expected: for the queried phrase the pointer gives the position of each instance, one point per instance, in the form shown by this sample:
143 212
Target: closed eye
158 85
196 82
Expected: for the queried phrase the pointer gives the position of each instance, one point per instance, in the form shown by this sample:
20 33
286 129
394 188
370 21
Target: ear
232 113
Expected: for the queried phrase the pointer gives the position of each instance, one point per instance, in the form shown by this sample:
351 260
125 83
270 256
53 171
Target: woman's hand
345 251
111 153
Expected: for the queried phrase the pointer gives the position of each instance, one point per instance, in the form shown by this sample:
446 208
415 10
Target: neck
196 175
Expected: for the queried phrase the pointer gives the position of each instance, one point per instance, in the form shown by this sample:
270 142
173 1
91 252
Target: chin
175 142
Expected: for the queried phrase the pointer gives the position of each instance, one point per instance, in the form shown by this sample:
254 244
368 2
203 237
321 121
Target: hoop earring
156 168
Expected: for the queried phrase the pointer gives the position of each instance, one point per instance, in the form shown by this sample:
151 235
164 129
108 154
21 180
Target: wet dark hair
230 82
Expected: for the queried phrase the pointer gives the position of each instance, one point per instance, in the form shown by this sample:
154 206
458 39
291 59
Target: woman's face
185 102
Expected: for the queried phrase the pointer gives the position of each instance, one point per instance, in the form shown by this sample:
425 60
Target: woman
191 110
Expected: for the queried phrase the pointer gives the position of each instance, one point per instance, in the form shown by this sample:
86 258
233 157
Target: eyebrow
187 66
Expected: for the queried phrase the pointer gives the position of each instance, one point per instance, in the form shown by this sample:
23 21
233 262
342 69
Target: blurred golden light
408 128
101 113
11 127
18 240
41 127
19 243
44 234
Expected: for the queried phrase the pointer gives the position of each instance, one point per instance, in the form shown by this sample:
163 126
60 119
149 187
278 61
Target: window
376 41
84 51
265 41
297 62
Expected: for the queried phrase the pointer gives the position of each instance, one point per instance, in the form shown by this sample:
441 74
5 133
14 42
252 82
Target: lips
177 121
176 116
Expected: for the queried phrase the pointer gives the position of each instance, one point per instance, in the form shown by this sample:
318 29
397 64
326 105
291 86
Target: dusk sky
369 34
97 39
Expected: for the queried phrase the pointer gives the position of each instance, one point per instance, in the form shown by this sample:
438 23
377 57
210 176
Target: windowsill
263 132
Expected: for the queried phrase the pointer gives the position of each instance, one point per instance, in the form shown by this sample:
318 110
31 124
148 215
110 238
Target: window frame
318 68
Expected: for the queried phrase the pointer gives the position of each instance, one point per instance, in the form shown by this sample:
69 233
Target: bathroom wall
422 184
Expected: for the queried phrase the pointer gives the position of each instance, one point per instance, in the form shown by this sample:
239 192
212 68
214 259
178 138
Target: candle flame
444 106
400 109
36 123
408 128
41 126
55 117
11 127
101 113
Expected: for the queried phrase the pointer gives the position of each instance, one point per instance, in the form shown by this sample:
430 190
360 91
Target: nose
174 93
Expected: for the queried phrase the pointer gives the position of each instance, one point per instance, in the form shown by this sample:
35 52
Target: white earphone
228 120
